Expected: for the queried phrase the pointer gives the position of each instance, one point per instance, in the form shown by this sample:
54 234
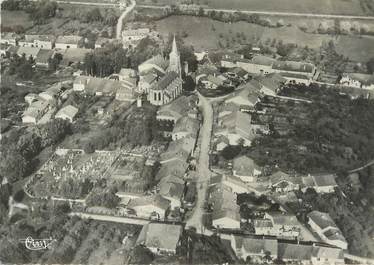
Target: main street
203 171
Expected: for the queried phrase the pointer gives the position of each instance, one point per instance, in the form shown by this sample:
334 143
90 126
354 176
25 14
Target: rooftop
294 66
165 81
244 165
68 39
155 200
160 236
32 38
68 110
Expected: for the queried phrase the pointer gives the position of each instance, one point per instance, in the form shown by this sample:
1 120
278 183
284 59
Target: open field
357 49
205 33
15 18
334 7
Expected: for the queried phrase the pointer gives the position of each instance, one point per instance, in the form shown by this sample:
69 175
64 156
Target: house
322 255
205 70
51 92
74 56
150 207
295 253
325 227
225 212
126 90
96 86
255 248
40 41
9 38
357 80
282 182
101 42
28 52
282 225
185 126
35 111
172 189
31 97
237 127
220 143
160 238
245 169
321 183
236 184
299 68
126 73
293 78
179 150
68 41
212 82
271 84
67 113
237 73
246 98
132 36
184 105
43 56
259 64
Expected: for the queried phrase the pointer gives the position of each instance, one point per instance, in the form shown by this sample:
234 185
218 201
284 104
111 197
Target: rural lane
121 18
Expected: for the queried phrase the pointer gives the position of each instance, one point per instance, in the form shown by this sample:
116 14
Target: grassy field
205 33
357 49
343 7
15 18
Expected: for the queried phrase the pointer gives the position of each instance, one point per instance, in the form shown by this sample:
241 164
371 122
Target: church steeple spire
174 48
174 59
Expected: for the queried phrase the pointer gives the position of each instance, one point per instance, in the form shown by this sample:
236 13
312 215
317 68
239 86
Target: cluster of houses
296 72
43 107
43 47
132 37
123 88
168 197
268 249
165 239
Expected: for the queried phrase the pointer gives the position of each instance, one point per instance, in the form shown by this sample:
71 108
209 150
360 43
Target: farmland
335 7
15 18
205 33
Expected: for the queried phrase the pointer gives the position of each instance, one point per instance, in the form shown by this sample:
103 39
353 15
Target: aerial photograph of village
187 132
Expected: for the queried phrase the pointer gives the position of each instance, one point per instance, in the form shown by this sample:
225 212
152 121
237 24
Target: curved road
120 20
203 170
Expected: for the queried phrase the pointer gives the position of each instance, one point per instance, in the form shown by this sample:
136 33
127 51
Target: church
161 80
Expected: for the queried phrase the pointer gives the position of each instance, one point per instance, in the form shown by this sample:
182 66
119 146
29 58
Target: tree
370 66
141 255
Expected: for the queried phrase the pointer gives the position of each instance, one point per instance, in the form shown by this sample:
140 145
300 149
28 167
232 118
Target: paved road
203 170
108 218
273 13
84 3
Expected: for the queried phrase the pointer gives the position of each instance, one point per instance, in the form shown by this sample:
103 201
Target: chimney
186 67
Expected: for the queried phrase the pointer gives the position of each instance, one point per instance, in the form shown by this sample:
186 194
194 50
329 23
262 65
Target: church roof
165 81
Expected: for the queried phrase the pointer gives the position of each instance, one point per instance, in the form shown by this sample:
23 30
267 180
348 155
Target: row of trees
106 61
39 11
20 148
106 16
